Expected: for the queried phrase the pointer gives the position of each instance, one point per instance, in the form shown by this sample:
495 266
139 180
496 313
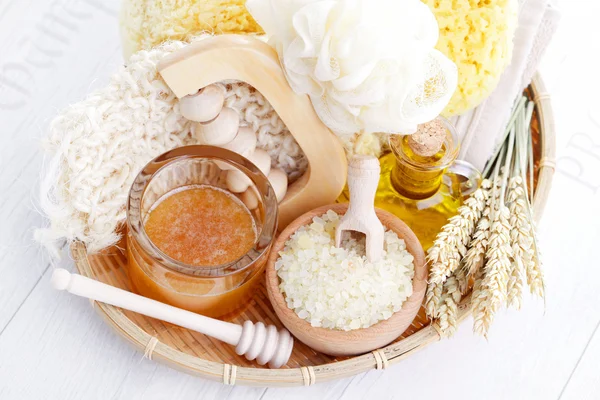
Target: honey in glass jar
191 242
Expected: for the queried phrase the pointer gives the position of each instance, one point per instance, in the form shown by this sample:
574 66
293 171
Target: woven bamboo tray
199 355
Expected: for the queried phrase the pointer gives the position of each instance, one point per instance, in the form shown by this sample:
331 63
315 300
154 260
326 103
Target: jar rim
265 234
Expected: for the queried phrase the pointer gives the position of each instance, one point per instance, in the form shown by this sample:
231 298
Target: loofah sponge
477 35
98 145
148 23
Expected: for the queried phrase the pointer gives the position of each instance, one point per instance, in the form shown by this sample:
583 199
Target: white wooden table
54 346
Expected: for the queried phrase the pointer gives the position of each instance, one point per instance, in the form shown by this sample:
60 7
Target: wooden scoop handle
363 178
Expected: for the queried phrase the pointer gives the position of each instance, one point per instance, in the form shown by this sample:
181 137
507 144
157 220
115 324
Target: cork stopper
428 139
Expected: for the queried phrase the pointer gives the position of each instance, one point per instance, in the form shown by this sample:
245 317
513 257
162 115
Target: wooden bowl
358 341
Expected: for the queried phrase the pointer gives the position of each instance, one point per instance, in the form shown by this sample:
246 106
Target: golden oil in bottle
420 190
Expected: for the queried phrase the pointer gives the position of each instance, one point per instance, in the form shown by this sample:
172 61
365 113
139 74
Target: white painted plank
56 347
53 53
584 384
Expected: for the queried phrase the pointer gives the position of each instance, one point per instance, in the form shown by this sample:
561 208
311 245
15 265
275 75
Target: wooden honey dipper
255 341
220 126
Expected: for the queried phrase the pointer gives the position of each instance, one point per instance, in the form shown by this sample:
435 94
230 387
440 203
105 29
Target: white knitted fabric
99 145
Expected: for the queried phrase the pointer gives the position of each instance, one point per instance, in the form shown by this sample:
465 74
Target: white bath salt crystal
336 288
317 227
331 215
355 324
319 221
305 242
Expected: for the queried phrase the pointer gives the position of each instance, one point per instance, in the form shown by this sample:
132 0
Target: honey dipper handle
95 290
256 341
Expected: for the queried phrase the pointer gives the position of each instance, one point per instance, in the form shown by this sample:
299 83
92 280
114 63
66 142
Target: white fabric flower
367 65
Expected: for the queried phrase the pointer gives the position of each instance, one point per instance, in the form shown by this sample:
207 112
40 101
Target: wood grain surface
55 346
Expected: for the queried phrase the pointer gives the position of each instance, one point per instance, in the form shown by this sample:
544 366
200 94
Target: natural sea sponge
148 23
475 34
478 36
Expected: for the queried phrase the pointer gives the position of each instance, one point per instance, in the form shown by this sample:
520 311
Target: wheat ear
493 286
448 310
521 239
476 253
533 268
462 278
433 299
532 258
450 245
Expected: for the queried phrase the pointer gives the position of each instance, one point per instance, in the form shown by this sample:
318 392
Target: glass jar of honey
193 243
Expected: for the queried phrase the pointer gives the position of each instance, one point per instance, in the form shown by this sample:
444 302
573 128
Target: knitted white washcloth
99 145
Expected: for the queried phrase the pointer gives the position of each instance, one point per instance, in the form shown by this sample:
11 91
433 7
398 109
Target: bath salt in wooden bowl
338 342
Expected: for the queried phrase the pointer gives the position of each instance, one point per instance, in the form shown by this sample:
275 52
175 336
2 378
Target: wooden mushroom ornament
220 126
191 73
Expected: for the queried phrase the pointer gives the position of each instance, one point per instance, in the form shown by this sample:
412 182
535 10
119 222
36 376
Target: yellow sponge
147 23
477 35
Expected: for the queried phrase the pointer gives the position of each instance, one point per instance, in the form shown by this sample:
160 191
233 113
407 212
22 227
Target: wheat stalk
492 239
514 289
448 250
522 242
450 245
448 310
462 278
433 299
492 292
527 238
476 253
533 268
448 280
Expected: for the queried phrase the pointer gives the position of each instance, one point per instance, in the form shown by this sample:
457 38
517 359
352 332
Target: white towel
482 128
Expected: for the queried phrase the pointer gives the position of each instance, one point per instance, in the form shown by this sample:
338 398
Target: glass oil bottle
424 191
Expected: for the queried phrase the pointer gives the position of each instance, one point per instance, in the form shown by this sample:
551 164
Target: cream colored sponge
475 34
147 23
478 36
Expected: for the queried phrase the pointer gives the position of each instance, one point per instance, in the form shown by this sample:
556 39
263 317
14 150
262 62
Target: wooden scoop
363 177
